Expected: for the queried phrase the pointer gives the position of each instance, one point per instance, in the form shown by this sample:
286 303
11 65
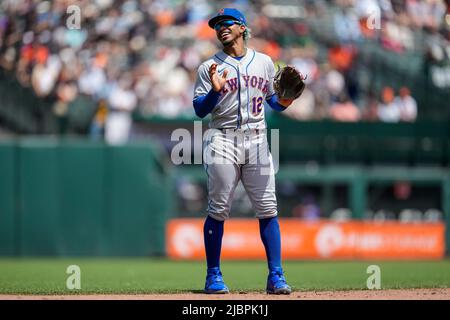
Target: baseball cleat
214 282
276 283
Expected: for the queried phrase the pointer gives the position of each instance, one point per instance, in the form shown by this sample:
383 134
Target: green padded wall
138 201
7 197
82 203
80 198
39 198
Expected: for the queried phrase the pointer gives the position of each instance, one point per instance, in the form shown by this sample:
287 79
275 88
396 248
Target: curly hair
247 33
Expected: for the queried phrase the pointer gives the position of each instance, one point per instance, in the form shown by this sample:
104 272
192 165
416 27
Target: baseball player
232 85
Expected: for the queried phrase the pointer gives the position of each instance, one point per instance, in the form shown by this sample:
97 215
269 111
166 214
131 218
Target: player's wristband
205 104
274 104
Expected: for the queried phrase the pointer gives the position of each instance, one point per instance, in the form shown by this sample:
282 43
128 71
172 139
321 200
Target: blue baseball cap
227 14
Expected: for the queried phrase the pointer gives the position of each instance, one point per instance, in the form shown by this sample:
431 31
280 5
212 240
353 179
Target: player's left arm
272 99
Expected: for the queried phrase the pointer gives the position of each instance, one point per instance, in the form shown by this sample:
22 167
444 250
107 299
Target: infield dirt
391 294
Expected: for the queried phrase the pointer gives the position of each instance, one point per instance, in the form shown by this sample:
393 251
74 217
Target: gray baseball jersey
233 147
249 82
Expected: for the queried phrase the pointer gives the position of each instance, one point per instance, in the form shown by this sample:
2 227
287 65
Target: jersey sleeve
274 104
271 73
203 82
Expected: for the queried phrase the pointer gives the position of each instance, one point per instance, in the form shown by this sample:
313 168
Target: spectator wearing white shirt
388 110
407 104
92 80
122 101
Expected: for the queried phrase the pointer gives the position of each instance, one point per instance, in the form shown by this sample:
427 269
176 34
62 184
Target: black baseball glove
288 83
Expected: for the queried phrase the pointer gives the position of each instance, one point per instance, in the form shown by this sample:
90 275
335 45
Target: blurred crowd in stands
143 54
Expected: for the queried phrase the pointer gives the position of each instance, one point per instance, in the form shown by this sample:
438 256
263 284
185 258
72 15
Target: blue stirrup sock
269 230
212 234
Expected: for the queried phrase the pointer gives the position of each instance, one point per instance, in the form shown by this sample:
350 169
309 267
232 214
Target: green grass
133 276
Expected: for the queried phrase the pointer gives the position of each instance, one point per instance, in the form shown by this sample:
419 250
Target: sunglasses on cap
225 23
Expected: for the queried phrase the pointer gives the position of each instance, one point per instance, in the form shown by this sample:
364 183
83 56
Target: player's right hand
217 81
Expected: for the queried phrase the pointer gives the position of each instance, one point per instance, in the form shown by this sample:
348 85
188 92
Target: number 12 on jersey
257 105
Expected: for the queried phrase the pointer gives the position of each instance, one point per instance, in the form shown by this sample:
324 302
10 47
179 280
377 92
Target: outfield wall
65 197
79 198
